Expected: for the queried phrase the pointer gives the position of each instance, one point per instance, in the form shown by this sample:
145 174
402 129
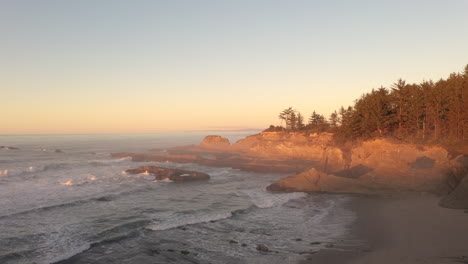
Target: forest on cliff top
428 112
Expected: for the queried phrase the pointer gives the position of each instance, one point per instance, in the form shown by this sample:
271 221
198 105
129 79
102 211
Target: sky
181 65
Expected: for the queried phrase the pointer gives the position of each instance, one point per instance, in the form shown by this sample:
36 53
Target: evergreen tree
300 121
285 116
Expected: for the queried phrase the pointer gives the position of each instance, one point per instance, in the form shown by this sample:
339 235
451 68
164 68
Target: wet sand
408 230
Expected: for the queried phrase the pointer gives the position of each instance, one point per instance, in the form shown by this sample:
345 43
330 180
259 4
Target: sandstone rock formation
293 145
175 175
378 166
215 142
371 167
316 181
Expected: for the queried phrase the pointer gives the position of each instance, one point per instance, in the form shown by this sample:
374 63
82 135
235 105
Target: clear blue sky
145 66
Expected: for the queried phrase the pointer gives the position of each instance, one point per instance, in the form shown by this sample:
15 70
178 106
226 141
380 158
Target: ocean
77 205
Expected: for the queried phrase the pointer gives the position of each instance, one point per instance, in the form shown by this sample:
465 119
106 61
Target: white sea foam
20 170
263 199
91 177
40 149
111 161
182 220
164 180
71 251
67 183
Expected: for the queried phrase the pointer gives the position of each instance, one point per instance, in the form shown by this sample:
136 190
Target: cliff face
405 166
372 167
381 166
280 145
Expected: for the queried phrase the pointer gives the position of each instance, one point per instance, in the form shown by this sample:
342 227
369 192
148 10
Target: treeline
425 112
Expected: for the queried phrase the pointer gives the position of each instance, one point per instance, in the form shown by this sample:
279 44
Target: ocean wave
71 251
31 169
163 180
263 199
184 219
19 171
54 247
13 255
119 232
109 161
103 198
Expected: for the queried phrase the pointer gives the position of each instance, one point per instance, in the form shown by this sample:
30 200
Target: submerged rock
263 248
175 175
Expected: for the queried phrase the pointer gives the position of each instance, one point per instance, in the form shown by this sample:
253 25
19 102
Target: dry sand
409 230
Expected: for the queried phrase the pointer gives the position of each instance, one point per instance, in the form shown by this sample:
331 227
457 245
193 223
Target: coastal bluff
372 167
318 164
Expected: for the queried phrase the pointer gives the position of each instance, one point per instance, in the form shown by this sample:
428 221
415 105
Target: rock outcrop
215 142
378 166
174 175
371 167
293 145
316 181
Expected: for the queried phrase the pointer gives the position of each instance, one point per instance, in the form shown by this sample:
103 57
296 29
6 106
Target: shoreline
408 229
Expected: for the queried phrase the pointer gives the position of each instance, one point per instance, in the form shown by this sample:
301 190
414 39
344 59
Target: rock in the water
262 247
175 175
58 151
185 252
9 148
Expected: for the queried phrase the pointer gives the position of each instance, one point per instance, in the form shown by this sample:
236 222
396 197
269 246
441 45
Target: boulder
174 175
215 142
263 248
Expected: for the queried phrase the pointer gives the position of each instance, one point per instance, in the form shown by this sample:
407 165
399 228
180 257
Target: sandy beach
410 229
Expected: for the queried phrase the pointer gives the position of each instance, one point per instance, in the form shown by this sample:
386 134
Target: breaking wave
263 199
110 161
187 219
